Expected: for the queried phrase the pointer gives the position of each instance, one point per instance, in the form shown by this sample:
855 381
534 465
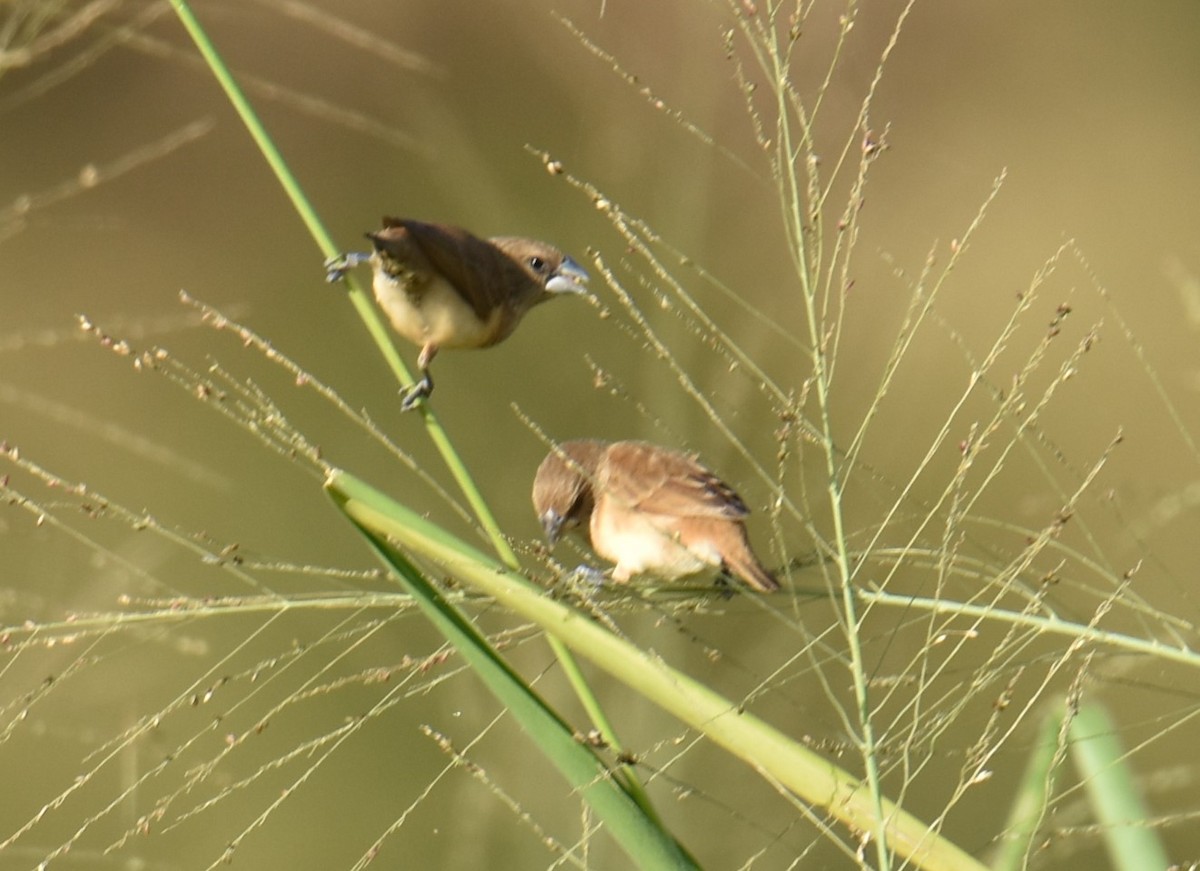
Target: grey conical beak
570 277
552 524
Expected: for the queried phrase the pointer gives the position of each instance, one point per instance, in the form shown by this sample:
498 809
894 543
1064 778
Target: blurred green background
1090 110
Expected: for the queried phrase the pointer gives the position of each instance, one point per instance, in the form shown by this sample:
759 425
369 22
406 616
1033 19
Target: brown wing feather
660 481
475 267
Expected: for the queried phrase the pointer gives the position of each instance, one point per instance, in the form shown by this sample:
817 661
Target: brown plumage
648 509
442 287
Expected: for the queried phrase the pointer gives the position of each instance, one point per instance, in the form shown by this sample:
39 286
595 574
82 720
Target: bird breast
646 543
435 313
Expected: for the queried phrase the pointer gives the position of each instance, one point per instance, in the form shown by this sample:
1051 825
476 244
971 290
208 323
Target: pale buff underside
641 543
443 318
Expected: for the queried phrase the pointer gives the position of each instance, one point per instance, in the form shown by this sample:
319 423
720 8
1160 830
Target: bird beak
552 524
570 277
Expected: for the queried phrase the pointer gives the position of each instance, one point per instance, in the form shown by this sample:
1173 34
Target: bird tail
745 565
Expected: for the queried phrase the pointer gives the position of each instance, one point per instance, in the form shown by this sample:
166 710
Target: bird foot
585 575
337 266
415 394
724 585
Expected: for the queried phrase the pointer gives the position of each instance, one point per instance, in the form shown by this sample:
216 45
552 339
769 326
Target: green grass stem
778 758
1104 767
379 334
1032 798
640 833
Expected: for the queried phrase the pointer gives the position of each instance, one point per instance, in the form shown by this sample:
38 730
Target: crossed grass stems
1012 591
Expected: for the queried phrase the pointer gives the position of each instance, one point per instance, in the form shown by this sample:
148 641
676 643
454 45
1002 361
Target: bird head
562 487
552 271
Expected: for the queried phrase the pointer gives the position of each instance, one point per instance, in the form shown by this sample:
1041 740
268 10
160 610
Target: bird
648 509
443 287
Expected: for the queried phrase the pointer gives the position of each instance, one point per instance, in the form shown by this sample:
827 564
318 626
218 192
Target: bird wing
474 266
659 481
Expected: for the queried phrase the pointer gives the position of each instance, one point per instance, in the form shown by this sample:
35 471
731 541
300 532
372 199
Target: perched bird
648 509
442 287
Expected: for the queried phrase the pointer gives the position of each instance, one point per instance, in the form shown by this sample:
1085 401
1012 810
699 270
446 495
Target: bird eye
537 263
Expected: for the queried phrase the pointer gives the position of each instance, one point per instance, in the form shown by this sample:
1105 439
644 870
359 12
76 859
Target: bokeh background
125 177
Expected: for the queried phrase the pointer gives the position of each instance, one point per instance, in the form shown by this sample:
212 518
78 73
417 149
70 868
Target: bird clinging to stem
442 287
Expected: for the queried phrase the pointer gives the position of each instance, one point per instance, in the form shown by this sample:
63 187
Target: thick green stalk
379 334
627 818
361 301
780 759
1032 798
1113 791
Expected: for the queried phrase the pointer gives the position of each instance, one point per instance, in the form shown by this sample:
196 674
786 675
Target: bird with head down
649 509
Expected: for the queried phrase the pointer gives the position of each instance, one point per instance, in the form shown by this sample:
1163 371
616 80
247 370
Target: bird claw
724 585
415 394
337 266
585 575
